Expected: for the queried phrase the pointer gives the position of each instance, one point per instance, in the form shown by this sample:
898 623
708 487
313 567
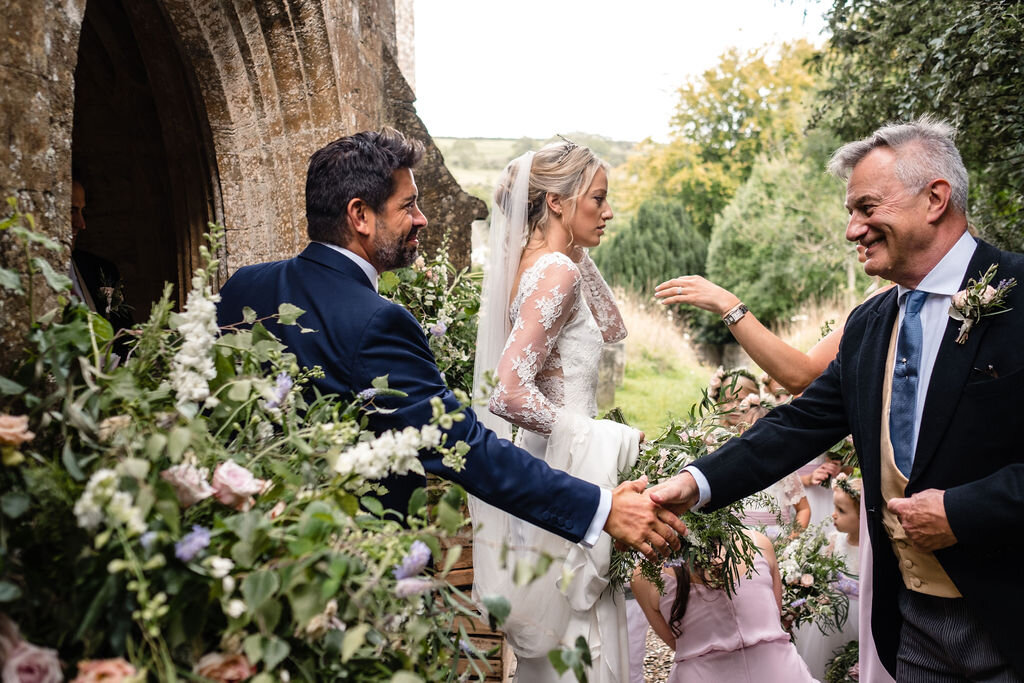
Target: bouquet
816 584
844 667
717 543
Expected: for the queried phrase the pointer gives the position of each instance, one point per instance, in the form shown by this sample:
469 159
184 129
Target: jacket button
908 564
916 582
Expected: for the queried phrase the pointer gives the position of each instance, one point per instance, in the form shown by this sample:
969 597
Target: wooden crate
480 634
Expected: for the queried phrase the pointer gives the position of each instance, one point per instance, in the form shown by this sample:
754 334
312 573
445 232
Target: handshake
647 519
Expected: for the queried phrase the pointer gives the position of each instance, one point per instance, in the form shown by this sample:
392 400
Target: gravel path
657 660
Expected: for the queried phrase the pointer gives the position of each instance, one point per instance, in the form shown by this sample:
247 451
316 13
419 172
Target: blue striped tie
903 404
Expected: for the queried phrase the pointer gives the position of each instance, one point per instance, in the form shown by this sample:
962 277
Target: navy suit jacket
360 336
970 445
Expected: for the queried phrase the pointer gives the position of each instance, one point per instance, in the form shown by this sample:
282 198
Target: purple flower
466 646
798 603
406 588
847 586
284 385
192 543
413 563
438 329
146 540
366 394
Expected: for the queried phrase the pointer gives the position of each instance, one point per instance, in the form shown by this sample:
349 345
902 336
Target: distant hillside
477 162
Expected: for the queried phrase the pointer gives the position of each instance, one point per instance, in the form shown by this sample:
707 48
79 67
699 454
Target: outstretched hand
696 291
923 517
678 494
636 521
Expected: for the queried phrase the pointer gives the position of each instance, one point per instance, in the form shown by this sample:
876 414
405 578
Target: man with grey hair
932 411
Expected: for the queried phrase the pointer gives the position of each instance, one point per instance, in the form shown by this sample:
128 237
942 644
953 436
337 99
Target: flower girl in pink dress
721 638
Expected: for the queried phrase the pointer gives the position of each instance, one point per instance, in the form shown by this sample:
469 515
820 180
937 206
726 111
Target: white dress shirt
604 506
941 283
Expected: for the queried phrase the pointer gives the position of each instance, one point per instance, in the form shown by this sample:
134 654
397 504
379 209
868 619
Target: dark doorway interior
141 146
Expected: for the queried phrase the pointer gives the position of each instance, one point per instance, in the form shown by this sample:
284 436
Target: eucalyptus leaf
274 652
9 592
498 609
372 505
10 387
177 441
259 586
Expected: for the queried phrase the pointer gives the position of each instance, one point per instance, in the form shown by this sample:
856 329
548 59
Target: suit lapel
870 373
952 367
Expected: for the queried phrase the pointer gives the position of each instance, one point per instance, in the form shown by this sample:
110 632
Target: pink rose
189 483
225 668
28 663
14 430
806 580
854 672
278 509
960 299
988 295
235 486
101 670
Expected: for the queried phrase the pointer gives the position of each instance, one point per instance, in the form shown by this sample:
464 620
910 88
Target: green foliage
845 661
717 543
745 106
661 242
899 60
116 542
813 581
781 242
446 302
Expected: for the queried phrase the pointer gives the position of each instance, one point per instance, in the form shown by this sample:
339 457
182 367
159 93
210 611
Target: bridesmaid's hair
711 579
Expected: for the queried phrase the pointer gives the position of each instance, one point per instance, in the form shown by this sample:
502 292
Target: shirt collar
364 265
946 276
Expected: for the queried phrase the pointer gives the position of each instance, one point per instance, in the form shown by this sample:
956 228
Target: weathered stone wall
273 81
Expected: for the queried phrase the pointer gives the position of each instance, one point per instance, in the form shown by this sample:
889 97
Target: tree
780 243
660 242
898 60
745 106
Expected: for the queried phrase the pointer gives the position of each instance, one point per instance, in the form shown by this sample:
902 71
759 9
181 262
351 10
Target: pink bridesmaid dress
738 640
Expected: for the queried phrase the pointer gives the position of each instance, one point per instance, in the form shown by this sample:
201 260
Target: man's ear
940 194
359 216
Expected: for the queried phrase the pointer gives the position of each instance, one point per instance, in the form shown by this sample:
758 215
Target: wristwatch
735 314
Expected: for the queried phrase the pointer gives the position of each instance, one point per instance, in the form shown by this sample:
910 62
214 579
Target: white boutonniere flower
979 300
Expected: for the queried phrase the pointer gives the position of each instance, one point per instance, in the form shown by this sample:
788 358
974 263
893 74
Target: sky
514 68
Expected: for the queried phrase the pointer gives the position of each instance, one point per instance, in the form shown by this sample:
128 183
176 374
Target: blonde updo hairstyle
563 169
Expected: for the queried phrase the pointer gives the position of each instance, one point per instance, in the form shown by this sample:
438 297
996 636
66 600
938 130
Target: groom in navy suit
935 417
363 219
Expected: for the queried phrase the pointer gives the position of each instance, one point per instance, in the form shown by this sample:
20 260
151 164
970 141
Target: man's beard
394 251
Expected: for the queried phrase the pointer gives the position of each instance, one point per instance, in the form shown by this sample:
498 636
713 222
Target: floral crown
727 378
843 483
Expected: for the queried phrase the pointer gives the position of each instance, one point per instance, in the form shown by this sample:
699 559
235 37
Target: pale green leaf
11 280
354 639
59 282
287 314
451 557
259 587
9 592
15 503
405 676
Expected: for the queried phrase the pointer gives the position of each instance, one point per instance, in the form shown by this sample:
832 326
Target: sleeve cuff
703 487
604 508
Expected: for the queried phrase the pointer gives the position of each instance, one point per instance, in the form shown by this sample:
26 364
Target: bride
546 313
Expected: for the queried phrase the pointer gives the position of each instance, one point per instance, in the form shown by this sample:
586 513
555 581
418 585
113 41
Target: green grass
655 390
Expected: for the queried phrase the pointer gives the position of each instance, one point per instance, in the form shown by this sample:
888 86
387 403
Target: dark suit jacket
360 336
970 445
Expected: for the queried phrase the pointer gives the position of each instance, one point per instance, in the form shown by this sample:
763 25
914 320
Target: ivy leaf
59 282
11 280
287 314
248 315
15 503
498 609
388 282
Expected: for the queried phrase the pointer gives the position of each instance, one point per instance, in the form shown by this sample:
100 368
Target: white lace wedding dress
562 314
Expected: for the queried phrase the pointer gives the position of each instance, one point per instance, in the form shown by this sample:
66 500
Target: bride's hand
696 291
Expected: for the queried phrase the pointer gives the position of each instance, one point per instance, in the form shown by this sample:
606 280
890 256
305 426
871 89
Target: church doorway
142 150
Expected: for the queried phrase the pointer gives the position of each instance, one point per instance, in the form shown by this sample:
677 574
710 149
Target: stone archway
141 143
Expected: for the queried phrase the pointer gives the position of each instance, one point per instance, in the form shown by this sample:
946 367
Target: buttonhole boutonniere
979 300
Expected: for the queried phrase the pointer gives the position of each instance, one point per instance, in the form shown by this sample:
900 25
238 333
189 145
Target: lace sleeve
550 293
601 301
790 489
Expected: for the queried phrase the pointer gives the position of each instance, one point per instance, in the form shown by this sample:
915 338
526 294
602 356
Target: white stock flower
219 566
89 507
235 608
192 366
